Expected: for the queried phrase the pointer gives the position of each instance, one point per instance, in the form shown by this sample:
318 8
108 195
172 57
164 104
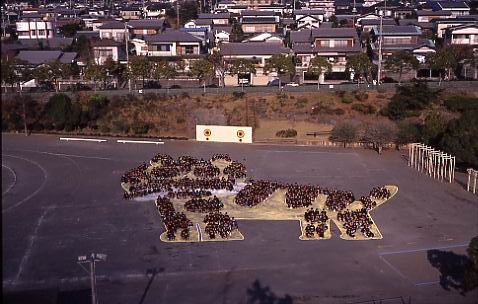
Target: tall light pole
126 39
379 73
92 259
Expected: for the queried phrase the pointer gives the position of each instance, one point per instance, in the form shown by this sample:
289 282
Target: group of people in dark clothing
203 205
316 220
218 223
300 196
170 178
255 192
173 221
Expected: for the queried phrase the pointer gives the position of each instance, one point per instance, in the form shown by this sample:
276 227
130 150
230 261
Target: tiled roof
38 57
253 48
433 13
146 24
68 57
257 13
114 25
256 20
309 12
172 36
214 16
398 30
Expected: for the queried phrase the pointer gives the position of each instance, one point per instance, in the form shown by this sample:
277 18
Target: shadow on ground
48 296
259 294
456 270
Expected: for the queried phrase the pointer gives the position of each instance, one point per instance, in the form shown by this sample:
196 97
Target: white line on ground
199 232
61 154
36 191
82 139
26 256
423 249
14 179
140 142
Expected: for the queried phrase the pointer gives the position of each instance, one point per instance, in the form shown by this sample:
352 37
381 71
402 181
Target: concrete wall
235 134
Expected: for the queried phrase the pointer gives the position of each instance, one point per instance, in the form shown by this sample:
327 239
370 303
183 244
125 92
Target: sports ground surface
63 199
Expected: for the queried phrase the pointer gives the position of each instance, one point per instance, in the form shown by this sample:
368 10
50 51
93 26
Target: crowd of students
221 224
300 196
255 192
316 220
172 220
203 205
356 220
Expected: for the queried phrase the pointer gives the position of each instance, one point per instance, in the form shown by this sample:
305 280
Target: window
41 32
324 43
340 43
33 32
165 47
189 49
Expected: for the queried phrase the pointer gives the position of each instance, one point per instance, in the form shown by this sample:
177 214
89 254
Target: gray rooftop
253 48
172 36
214 16
114 25
146 24
399 30
309 12
39 57
257 13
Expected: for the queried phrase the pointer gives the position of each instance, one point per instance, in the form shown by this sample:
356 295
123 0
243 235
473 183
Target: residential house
265 37
258 53
156 10
104 48
442 24
221 34
32 26
400 38
130 13
217 19
428 16
138 28
466 34
369 24
457 9
311 18
169 43
334 44
259 22
328 6
35 58
115 30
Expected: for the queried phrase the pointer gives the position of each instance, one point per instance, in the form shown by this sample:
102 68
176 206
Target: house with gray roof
218 18
457 8
115 30
258 53
35 58
334 44
169 43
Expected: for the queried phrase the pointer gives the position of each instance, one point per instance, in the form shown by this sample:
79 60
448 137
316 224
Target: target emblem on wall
207 132
240 134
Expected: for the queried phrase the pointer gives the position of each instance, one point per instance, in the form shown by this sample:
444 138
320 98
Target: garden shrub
287 133
140 127
364 109
461 103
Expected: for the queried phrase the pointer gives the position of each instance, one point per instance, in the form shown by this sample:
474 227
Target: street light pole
379 73
126 36
92 259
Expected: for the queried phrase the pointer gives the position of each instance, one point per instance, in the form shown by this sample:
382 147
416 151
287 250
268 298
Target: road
63 199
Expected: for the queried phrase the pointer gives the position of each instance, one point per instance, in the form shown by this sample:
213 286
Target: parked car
292 84
273 83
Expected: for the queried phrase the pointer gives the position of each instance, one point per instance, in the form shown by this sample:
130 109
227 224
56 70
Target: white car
292 84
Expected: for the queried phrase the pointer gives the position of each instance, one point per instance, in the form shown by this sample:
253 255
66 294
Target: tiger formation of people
194 196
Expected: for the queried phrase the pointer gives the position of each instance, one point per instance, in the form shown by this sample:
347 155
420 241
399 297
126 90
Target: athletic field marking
14 179
426 283
394 268
45 175
61 154
82 139
26 256
140 142
422 249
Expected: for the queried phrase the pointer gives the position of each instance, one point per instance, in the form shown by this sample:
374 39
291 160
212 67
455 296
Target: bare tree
379 133
345 132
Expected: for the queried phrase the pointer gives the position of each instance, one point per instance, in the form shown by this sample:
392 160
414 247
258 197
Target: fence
303 89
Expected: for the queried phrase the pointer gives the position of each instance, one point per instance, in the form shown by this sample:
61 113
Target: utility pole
92 259
126 39
379 73
177 11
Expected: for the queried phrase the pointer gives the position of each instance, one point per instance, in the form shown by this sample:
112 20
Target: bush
461 103
140 127
62 112
301 102
339 112
97 107
364 109
120 126
180 120
238 95
360 95
104 128
345 100
340 93
410 99
287 133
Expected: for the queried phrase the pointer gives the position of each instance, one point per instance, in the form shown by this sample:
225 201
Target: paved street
63 199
